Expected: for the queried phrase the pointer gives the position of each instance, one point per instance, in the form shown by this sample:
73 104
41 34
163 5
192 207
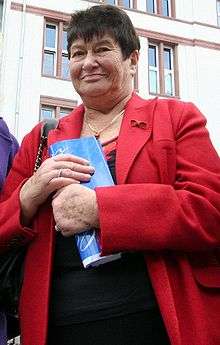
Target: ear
134 57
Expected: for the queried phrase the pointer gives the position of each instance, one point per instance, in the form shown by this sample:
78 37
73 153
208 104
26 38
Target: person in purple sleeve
8 149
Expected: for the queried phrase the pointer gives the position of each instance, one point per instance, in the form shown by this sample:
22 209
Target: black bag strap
47 125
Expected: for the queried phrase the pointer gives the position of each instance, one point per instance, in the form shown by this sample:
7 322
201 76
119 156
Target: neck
105 108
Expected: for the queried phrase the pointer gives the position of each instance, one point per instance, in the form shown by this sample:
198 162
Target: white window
52 107
65 60
47 112
124 3
161 70
161 7
168 71
55 59
218 12
50 50
151 6
110 2
1 13
153 69
165 7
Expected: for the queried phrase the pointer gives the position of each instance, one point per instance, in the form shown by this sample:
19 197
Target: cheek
115 69
74 71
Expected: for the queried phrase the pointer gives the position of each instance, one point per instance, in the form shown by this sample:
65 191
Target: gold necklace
98 132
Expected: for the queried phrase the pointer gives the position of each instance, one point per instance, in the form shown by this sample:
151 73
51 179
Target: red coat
166 204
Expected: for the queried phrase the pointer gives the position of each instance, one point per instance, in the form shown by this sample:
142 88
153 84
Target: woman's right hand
54 173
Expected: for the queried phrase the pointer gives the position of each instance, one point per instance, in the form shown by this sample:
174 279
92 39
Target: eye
102 49
77 53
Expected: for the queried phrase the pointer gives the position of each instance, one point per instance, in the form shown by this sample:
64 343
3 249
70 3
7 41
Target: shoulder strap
47 125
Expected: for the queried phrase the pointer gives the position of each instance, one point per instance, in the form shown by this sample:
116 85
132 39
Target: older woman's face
97 68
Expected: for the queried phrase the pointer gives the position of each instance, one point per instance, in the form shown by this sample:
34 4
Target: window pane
1 13
167 59
165 8
126 3
152 58
153 81
218 12
50 36
150 6
47 112
64 43
168 84
110 2
64 112
65 67
48 67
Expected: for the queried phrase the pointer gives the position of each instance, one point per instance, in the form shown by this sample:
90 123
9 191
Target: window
50 50
124 3
165 8
55 58
47 112
161 67
162 7
65 60
218 12
135 81
51 107
51 112
153 69
111 2
1 13
168 71
151 6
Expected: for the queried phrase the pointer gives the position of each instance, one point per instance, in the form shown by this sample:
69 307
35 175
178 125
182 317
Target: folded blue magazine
89 148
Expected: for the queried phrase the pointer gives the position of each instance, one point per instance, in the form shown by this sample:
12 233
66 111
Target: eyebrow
81 46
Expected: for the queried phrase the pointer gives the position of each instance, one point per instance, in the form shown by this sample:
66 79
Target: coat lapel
135 131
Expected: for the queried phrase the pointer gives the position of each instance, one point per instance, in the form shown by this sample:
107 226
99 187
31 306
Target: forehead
105 39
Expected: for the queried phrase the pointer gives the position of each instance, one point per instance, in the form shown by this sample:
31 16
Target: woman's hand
75 209
54 173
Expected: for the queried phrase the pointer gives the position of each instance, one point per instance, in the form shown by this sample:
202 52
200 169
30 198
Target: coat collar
135 131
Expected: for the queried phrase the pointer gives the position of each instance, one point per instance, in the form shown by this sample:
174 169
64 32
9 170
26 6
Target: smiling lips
92 77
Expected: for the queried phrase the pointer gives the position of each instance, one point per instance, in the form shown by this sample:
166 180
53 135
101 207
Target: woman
162 214
8 149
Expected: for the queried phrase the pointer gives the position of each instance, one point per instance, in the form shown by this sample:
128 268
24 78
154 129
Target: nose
90 61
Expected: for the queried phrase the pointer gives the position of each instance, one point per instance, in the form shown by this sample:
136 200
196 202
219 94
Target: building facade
179 57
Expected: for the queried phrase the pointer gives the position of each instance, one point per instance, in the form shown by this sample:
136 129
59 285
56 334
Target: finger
68 173
71 158
87 169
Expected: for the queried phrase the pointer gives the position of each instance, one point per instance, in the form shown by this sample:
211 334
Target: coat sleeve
8 149
182 216
11 230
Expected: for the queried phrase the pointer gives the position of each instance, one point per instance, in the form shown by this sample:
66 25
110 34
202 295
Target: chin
94 92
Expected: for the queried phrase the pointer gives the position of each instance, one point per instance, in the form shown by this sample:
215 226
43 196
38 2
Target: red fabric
166 204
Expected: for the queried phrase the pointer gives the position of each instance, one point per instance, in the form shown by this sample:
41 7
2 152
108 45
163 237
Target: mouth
92 77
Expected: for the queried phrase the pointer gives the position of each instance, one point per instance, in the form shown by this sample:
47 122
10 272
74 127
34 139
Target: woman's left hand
75 209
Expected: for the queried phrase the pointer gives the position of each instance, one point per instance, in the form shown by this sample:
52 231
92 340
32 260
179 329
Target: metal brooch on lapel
139 124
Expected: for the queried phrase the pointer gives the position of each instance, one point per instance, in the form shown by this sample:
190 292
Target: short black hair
97 21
